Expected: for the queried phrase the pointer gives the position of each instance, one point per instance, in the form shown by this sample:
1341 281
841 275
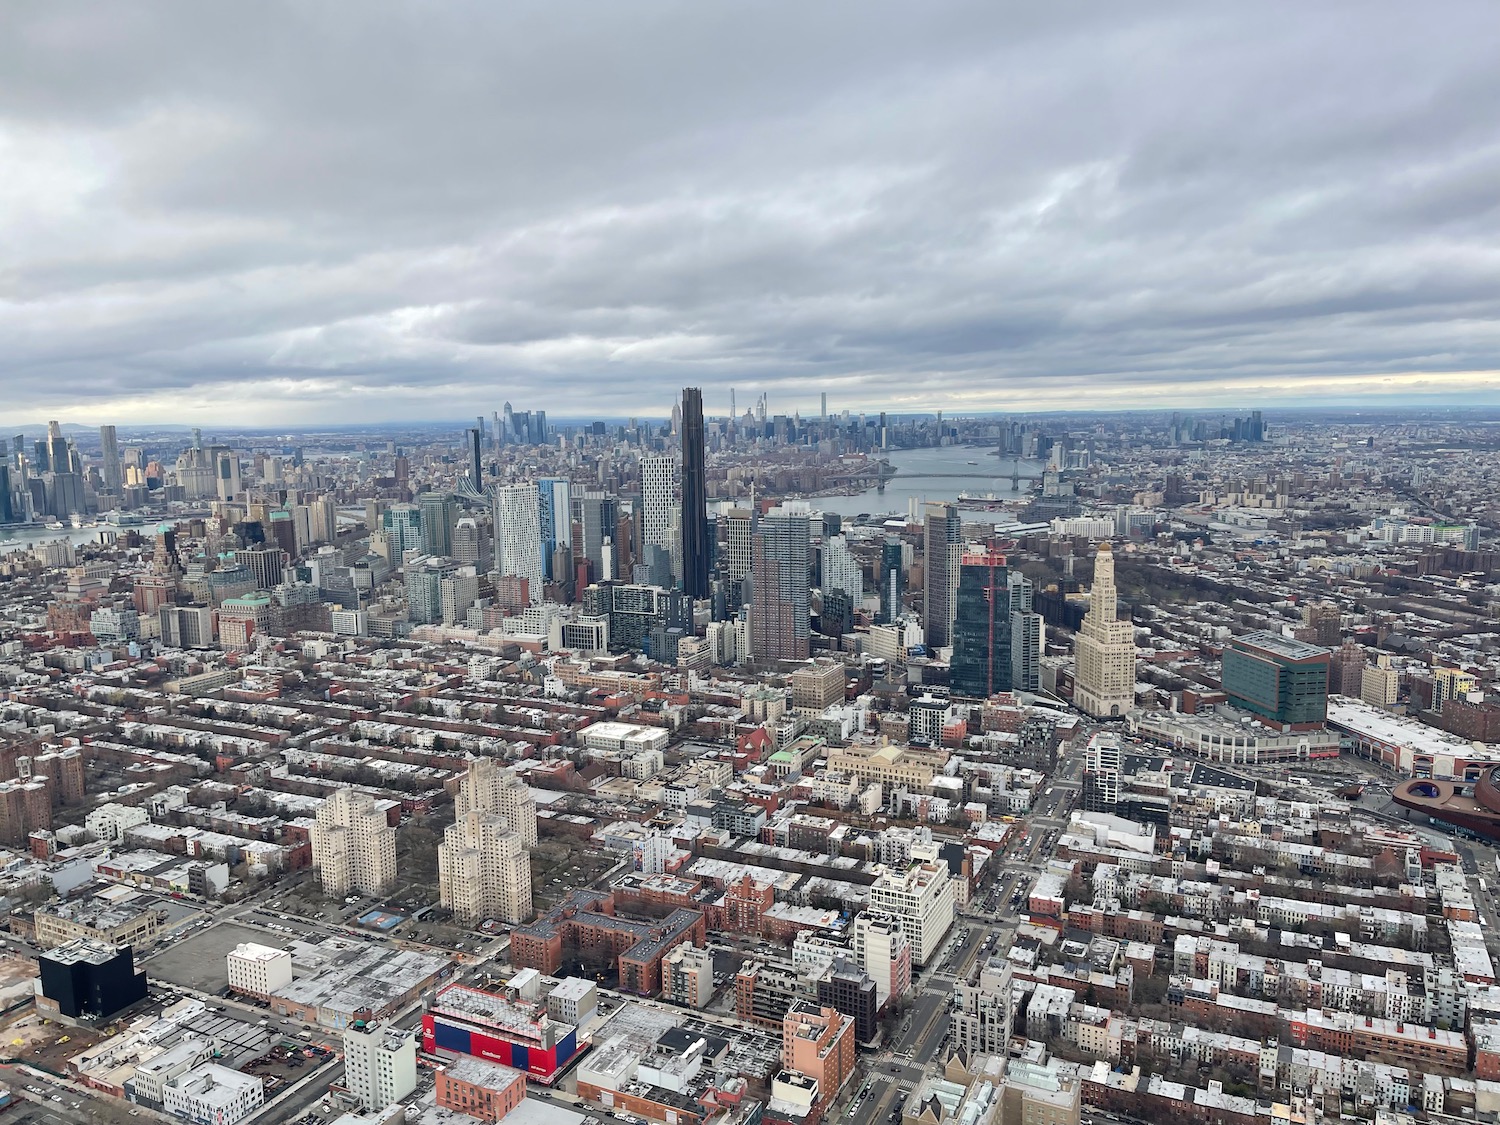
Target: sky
294 214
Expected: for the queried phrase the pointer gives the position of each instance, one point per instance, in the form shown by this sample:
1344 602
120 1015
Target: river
24 538
965 468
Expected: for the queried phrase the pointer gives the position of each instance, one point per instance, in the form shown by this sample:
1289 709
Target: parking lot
198 960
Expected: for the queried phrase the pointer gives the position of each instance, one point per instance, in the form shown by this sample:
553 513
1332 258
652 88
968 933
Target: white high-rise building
380 1064
518 536
1104 649
659 528
882 950
982 1012
1103 763
841 570
1027 633
922 899
353 847
739 525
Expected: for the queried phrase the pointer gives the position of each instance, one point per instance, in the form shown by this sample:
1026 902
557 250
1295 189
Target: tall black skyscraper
476 467
694 497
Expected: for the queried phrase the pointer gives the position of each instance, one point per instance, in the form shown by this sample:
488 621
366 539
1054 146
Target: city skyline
974 207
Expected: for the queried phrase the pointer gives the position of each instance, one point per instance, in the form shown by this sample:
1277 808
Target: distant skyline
281 215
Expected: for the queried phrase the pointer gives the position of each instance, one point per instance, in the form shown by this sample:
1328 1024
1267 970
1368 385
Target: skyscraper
779 627
476 468
598 513
439 514
695 548
1104 649
555 516
518 536
402 524
841 570
892 581
658 525
940 577
109 454
981 627
1026 632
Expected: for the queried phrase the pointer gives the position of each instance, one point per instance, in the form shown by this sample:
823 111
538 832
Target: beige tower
353 847
491 788
1104 678
484 871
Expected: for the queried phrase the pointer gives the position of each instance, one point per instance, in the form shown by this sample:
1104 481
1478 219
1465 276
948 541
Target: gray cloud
397 210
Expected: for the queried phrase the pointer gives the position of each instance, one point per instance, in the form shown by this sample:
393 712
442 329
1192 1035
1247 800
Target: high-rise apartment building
518 536
660 514
818 1041
841 570
981 664
982 1012
1103 765
779 555
475 436
484 871
484 861
403 528
694 520
490 787
921 899
555 517
941 535
599 515
1104 649
892 580
439 512
739 526
380 1063
1027 634
881 948
353 846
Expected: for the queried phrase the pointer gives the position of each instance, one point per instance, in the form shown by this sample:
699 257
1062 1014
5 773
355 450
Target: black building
981 628
91 979
695 552
848 989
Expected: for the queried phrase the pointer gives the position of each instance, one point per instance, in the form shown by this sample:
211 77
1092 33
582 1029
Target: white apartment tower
883 952
982 1012
661 516
841 570
353 847
922 899
380 1064
518 536
1104 649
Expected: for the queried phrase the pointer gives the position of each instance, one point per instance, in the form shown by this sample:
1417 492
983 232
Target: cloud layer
304 213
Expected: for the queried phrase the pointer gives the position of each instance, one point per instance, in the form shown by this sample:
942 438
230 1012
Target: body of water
24 538
987 474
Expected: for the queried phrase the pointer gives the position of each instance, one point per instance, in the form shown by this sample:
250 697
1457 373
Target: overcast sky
301 213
